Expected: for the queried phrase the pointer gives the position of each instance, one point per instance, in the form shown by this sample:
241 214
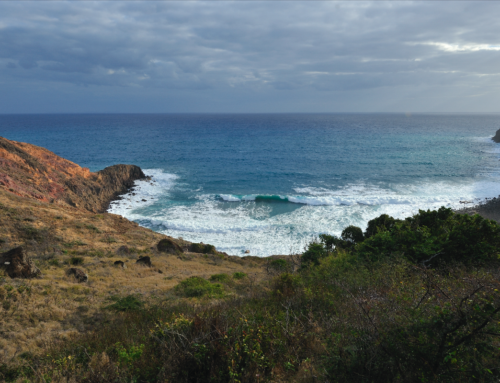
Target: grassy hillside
37 313
413 300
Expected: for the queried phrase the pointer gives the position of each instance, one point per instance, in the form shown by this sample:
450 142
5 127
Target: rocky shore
490 207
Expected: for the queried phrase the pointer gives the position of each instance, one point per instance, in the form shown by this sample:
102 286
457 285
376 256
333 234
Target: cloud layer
211 56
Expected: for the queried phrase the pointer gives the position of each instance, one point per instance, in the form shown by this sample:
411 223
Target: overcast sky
249 56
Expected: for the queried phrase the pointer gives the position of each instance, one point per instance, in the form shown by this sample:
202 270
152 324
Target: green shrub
432 237
278 265
202 248
76 261
239 275
352 235
92 228
315 251
223 278
198 287
287 284
379 224
128 303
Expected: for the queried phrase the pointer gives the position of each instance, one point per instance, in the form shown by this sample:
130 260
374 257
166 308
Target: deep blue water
269 183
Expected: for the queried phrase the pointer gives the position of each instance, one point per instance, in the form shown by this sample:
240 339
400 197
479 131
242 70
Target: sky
249 56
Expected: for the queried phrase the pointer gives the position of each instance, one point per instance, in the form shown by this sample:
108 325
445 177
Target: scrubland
413 300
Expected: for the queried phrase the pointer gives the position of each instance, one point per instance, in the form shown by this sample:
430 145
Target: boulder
145 261
18 265
79 274
120 264
168 246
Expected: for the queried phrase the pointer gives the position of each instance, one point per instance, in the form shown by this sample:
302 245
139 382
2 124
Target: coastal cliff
31 171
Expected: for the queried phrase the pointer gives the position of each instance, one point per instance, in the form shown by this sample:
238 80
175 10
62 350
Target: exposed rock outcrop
496 137
145 261
18 265
120 264
79 274
34 172
168 246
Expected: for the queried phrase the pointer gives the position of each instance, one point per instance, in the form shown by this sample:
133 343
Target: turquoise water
270 183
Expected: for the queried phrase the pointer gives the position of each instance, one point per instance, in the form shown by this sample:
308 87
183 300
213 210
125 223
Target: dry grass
36 313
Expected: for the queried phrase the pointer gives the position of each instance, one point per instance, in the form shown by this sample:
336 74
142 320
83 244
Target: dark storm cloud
220 54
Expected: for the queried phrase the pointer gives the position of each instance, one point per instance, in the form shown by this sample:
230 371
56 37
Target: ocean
271 183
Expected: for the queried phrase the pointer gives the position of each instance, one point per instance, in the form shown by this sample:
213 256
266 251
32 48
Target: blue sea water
270 183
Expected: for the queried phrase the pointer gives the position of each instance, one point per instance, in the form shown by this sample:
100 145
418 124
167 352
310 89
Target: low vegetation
415 300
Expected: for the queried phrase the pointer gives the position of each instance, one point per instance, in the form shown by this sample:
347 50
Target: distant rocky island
496 137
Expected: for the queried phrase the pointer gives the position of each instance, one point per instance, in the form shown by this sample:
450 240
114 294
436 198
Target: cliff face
34 172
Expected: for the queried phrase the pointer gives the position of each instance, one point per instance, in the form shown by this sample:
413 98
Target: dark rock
143 200
120 264
123 250
496 137
168 246
160 272
79 274
145 261
18 265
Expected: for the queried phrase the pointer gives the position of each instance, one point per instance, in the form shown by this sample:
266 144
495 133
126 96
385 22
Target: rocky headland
31 171
496 137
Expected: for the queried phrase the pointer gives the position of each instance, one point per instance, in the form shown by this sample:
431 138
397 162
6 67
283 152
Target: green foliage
54 262
128 303
380 224
198 287
286 284
278 265
352 235
202 248
239 275
127 357
223 278
92 228
433 237
76 261
315 251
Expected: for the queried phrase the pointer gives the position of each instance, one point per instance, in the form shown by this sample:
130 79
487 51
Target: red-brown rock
34 172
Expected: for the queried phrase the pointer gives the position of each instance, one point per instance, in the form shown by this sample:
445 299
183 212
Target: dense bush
128 303
433 237
202 248
222 278
429 237
239 275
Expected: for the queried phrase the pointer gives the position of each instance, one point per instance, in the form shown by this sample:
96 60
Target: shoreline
488 208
